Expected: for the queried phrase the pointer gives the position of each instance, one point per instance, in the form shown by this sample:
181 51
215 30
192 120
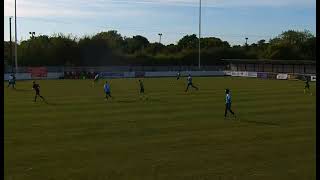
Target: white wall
184 73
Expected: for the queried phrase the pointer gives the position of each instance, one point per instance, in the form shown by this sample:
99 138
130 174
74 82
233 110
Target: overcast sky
230 20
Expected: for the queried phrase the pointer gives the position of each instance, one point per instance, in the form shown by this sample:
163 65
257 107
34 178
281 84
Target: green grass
173 135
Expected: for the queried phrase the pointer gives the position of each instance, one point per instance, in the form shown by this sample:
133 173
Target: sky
229 20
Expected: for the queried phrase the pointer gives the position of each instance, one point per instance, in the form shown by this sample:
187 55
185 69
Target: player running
228 104
307 86
178 75
96 79
12 81
107 90
189 79
36 87
142 95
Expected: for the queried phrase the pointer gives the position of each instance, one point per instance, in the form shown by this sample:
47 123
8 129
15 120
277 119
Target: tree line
111 48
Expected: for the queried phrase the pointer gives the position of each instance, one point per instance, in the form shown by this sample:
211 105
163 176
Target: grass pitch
173 135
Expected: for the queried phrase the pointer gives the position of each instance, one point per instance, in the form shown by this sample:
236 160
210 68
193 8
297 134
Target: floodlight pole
32 34
11 57
15 21
199 63
160 34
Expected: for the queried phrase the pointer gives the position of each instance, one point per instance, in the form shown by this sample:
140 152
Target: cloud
218 3
122 8
68 8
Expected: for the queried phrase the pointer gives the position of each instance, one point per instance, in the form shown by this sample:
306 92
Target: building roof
269 61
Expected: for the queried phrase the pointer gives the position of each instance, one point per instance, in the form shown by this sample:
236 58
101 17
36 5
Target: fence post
293 68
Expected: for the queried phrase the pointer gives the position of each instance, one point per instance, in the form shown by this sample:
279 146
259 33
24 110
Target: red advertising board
38 72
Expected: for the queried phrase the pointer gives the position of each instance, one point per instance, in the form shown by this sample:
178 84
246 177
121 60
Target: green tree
154 48
171 49
35 51
136 43
309 48
291 45
64 50
296 38
113 39
95 51
109 48
188 42
212 42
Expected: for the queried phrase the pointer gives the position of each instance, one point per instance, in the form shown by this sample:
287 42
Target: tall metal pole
15 21
199 63
11 57
160 34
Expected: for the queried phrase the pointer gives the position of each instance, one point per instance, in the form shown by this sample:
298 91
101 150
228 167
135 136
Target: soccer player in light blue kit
12 81
106 88
190 83
228 104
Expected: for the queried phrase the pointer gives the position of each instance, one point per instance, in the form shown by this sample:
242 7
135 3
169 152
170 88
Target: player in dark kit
228 104
141 86
307 86
178 75
36 87
142 95
190 83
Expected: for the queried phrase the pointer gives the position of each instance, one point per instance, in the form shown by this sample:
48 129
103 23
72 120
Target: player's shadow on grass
261 123
127 101
50 103
137 100
23 90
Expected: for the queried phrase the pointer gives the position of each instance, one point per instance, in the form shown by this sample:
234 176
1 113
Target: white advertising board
19 76
239 73
129 74
282 76
252 74
184 73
